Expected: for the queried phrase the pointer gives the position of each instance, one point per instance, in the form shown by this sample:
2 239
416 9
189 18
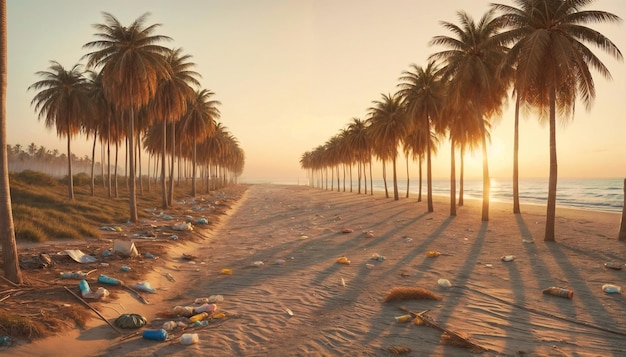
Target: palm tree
63 101
470 65
389 126
421 92
170 102
553 64
198 123
11 265
359 143
132 64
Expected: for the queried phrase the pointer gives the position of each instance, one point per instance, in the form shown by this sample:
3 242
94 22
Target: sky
290 74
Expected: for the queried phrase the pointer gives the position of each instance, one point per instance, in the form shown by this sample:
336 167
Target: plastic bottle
158 335
85 290
216 298
5 341
556 291
199 317
611 289
104 279
202 300
73 275
169 325
189 338
205 308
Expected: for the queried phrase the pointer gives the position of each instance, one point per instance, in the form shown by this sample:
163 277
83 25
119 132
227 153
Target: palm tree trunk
486 179
93 163
70 178
193 171
371 178
462 177
163 154
170 194
452 179
385 179
117 152
419 179
622 228
396 195
516 208
429 178
131 166
11 265
551 209
408 181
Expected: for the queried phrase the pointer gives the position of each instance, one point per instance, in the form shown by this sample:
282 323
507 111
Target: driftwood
93 309
463 341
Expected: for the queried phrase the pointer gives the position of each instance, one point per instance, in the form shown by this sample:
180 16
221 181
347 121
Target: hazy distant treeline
51 162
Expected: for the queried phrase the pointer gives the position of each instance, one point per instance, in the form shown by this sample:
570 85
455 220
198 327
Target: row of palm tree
137 92
535 51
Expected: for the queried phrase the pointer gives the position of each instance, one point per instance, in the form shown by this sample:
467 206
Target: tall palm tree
11 265
470 65
63 102
421 91
553 64
389 126
198 123
170 102
132 63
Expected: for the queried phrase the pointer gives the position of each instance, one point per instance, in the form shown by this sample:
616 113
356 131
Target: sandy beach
302 302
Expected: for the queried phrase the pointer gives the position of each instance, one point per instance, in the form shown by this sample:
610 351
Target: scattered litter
107 253
189 338
130 321
433 253
173 237
170 277
105 279
369 234
289 312
150 256
112 229
157 335
611 265
75 274
125 268
5 341
343 282
167 217
507 258
304 237
279 262
347 230
125 248
561 292
403 318
145 286
258 264
611 289
87 293
80 257
226 271
343 260
369 266
407 240
183 227
378 257
444 283
201 221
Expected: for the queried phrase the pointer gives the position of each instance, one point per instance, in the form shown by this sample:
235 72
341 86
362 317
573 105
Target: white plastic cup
189 338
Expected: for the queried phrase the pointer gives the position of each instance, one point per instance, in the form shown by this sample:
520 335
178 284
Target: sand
302 302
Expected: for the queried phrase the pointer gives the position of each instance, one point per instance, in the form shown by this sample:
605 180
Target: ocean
601 194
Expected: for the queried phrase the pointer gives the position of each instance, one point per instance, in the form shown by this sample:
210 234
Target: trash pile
179 323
